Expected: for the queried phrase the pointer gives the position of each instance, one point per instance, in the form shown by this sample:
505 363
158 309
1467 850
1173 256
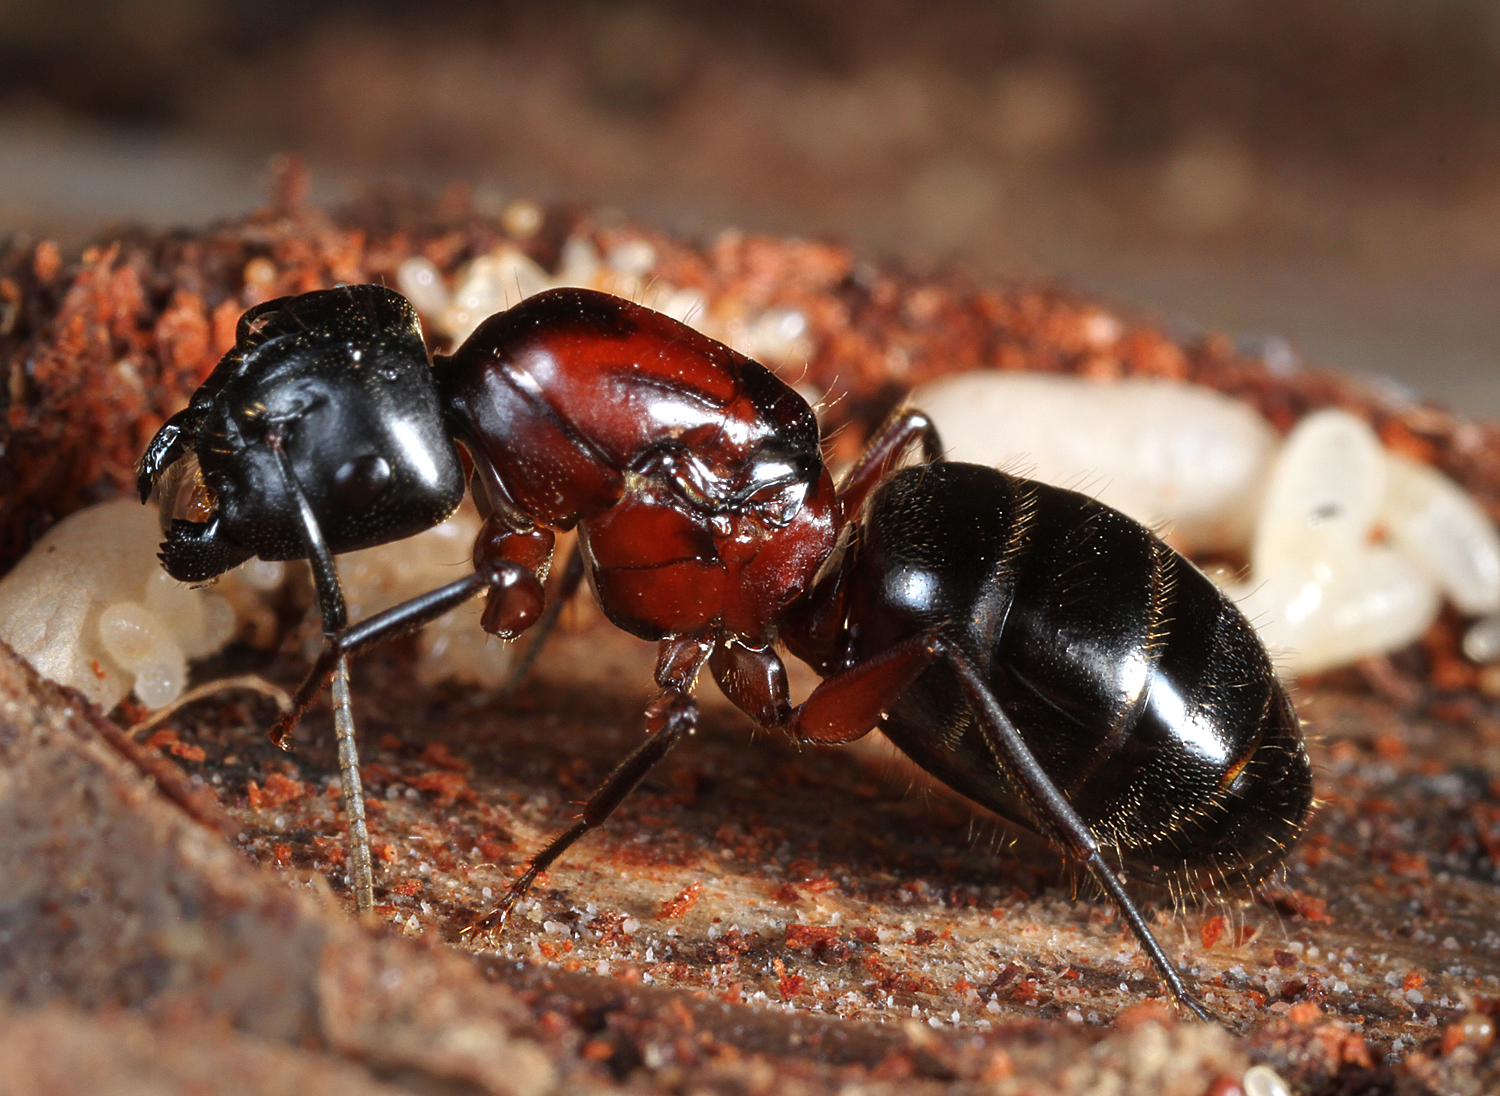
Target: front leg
335 616
515 602
510 565
514 588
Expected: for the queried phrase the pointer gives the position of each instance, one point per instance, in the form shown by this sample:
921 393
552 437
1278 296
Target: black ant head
340 380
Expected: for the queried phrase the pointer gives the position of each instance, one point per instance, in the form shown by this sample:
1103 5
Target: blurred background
1319 180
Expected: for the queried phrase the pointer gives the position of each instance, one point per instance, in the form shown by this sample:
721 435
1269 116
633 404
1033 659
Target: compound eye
359 482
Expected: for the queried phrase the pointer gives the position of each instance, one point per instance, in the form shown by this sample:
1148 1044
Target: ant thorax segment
694 474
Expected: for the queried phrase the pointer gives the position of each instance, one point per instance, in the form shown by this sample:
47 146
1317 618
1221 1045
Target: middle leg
671 715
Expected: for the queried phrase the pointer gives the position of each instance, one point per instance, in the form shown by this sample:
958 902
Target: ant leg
522 590
1051 809
671 715
846 705
906 427
333 663
515 600
812 628
567 586
352 792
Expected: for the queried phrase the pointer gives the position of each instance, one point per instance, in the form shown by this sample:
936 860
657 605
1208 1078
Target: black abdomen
1139 687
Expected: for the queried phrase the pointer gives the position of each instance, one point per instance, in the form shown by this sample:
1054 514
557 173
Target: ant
1038 652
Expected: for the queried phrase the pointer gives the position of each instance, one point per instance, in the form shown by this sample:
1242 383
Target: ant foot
494 921
281 734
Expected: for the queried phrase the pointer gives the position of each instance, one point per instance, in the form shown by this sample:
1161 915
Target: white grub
1312 621
1324 492
89 606
136 639
1166 454
453 648
1355 546
1439 527
1321 592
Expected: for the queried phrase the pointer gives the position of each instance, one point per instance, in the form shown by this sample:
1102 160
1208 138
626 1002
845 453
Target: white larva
1438 526
1320 591
89 606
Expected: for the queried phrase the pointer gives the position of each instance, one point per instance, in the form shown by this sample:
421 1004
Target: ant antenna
335 616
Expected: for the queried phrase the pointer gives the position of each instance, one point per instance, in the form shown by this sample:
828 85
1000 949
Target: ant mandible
1038 652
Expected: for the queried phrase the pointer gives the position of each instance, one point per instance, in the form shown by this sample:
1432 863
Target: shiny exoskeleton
1137 686
343 378
1036 651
